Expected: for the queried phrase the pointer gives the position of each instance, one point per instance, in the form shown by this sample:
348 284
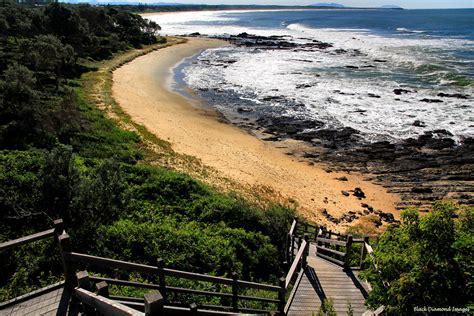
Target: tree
427 261
47 57
20 114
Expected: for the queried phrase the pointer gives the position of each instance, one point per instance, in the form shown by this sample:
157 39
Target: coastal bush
61 157
427 261
190 246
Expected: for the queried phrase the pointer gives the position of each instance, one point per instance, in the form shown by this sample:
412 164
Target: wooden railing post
306 227
281 296
193 308
69 273
306 251
84 282
161 278
288 248
328 236
58 227
363 252
347 259
235 292
299 266
154 304
322 235
102 289
292 249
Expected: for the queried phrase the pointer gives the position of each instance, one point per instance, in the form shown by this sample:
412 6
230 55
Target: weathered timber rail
233 292
330 271
310 251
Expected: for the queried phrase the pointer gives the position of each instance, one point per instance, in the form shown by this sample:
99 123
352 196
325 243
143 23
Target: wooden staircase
319 268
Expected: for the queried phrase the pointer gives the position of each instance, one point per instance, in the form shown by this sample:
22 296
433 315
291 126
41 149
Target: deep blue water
453 23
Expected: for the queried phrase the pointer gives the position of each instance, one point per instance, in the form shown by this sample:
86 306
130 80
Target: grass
96 89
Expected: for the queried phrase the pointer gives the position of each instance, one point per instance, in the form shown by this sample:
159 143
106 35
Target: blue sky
409 4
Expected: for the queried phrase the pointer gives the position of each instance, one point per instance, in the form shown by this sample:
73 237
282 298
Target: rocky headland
430 167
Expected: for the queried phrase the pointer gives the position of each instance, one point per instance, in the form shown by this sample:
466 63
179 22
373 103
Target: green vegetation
62 157
427 261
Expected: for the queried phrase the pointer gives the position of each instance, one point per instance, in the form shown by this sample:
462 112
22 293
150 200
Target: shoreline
142 90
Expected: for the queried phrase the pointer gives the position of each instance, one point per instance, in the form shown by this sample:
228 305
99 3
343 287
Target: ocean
389 74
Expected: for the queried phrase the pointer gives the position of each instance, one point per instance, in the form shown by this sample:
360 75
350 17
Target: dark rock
244 110
340 51
442 132
345 193
343 178
380 60
289 126
352 67
195 34
272 139
387 217
400 91
454 95
303 60
271 98
431 100
374 96
419 123
377 222
421 190
303 85
359 193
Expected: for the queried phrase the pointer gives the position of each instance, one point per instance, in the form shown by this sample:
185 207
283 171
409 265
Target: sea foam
354 89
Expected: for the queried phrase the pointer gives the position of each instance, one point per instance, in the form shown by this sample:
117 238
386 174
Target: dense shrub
427 261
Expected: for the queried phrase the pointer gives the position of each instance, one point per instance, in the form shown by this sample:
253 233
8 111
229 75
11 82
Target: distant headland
172 6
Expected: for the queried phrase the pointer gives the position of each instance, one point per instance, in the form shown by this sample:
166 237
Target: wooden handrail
109 263
119 264
197 292
197 276
332 241
294 265
259 286
293 227
27 239
125 283
104 305
338 253
259 299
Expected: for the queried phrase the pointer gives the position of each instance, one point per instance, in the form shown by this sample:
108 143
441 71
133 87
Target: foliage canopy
427 261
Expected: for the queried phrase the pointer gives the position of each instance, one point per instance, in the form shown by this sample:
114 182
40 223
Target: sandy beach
142 89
